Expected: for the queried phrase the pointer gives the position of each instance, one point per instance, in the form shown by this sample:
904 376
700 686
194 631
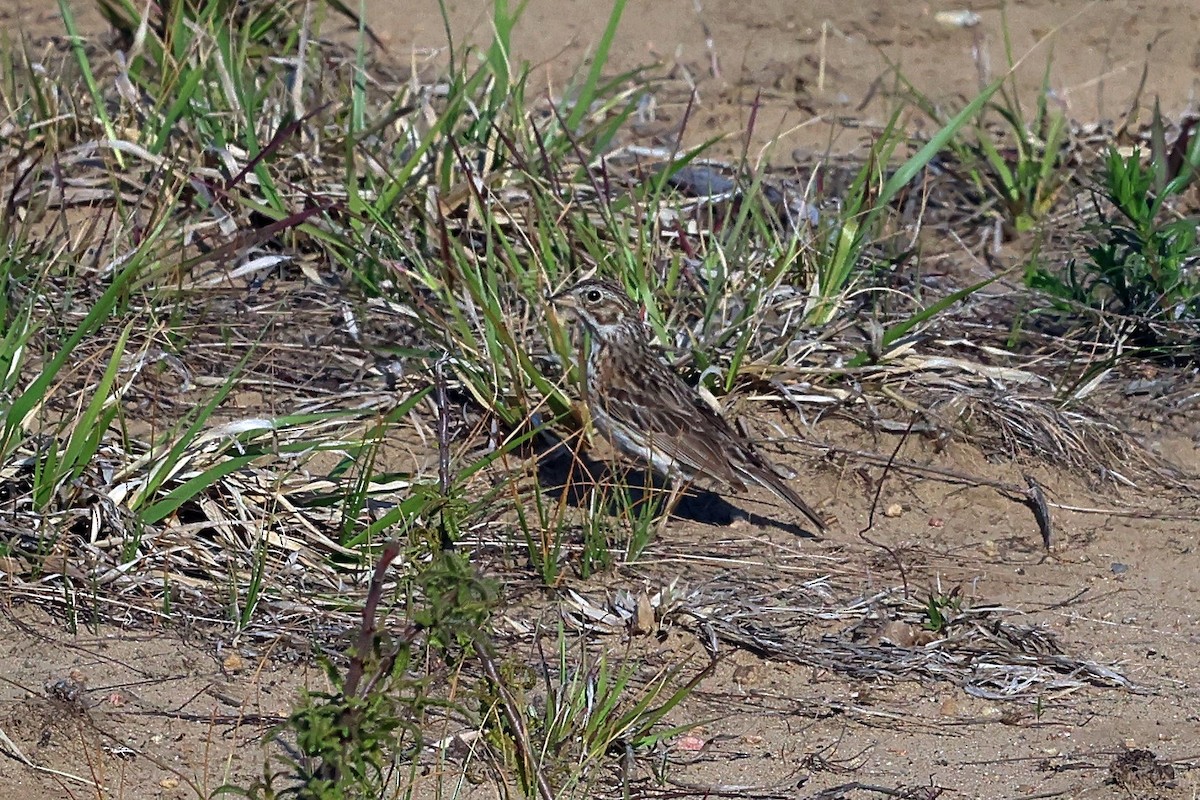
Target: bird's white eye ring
592 296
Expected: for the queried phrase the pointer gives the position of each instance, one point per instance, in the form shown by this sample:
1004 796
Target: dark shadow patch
578 476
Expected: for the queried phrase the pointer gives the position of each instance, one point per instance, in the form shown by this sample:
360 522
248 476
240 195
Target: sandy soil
823 70
162 713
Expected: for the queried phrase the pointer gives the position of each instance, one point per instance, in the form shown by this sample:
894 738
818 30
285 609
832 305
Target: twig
15 752
366 633
862 534
1041 511
735 790
520 736
443 441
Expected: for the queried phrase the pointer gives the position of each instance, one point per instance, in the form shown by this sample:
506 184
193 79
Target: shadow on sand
578 476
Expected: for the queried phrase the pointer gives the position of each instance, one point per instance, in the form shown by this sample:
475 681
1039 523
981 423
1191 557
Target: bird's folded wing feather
678 423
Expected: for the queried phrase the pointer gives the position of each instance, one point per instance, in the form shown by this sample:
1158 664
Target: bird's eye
592 295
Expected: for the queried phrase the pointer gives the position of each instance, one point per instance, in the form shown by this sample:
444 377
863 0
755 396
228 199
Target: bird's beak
564 302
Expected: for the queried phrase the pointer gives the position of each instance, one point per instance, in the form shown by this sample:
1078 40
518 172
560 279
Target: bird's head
602 307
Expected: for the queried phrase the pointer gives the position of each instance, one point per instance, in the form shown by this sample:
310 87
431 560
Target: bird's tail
766 477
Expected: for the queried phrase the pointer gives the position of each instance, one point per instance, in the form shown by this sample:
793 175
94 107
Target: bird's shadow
575 475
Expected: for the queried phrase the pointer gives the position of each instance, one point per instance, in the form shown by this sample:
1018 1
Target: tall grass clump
1013 152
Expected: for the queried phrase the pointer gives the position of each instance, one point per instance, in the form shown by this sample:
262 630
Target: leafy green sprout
1143 263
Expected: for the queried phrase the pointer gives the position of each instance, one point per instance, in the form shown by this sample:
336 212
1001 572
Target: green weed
586 710
867 203
355 738
940 611
1143 264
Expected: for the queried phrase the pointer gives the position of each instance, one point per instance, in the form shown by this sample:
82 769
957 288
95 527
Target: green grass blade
167 464
892 334
183 99
36 391
92 424
193 486
587 92
99 104
907 171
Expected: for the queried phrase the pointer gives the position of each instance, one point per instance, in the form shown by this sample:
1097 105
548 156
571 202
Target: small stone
894 510
643 617
961 18
898 633
744 673
693 741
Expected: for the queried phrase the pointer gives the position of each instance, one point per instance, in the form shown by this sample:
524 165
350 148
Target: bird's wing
656 402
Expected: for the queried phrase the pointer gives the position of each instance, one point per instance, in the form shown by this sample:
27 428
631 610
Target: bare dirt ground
822 69
169 713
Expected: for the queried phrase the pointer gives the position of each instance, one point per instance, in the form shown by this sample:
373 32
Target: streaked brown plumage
646 410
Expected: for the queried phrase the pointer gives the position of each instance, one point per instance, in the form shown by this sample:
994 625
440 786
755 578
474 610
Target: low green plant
1029 177
264 22
620 518
1143 265
940 611
353 739
868 200
59 466
544 526
25 401
642 517
588 709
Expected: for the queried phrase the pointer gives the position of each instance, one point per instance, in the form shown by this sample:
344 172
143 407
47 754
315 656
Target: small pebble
957 19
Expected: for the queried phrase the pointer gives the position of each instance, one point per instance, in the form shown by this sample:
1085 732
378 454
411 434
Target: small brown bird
646 410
